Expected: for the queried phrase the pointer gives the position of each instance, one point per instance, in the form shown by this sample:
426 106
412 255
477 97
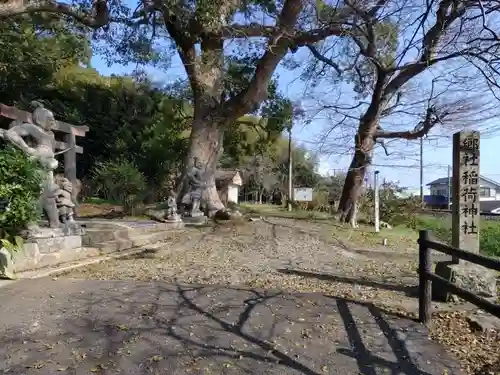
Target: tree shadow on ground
108 327
409 290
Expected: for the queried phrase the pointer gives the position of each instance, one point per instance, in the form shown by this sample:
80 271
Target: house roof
444 180
227 176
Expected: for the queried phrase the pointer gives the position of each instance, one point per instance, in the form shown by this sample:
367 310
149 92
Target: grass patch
96 200
272 210
489 240
362 237
398 237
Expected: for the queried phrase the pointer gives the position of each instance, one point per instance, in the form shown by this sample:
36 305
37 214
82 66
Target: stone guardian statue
196 185
41 148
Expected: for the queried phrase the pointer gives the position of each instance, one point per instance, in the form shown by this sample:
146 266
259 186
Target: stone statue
64 202
196 185
172 214
41 148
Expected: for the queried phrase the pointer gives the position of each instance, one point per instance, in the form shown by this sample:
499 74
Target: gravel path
267 256
302 257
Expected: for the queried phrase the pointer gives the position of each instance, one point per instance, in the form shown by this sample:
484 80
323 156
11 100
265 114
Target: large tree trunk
353 185
206 145
364 142
353 188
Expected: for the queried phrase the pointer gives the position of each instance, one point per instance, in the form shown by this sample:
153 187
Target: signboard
302 194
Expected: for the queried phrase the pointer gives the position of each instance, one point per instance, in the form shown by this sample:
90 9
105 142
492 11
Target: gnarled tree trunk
206 145
353 186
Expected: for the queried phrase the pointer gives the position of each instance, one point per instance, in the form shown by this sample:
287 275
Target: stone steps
96 235
101 237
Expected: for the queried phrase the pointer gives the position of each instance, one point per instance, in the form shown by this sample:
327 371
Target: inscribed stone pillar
465 223
465 191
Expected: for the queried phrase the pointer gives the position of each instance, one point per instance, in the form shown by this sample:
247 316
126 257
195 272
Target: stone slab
44 232
30 257
55 244
484 322
27 258
85 326
474 278
197 220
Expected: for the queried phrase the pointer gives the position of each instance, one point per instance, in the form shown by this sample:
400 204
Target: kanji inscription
465 188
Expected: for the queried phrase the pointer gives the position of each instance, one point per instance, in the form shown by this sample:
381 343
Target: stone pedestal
73 229
176 218
468 276
196 220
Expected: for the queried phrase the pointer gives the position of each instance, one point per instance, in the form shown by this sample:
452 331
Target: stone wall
44 252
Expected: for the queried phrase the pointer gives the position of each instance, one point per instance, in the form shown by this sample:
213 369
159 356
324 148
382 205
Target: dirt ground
302 256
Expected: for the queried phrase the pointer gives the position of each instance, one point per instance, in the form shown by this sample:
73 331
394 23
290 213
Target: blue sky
437 153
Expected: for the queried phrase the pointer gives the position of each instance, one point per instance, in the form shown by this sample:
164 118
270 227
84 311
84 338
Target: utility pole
421 170
376 202
290 175
449 187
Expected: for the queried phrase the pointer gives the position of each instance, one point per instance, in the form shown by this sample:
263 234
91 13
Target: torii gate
69 144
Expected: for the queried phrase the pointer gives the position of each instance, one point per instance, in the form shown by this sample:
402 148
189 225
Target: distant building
228 183
489 194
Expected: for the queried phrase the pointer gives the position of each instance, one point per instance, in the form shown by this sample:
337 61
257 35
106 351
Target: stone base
476 279
74 229
6 265
196 220
173 219
41 252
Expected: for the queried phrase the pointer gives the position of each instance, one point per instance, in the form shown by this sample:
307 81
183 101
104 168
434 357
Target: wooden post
70 158
425 284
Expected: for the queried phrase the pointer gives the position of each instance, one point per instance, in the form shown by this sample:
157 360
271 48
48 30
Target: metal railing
426 276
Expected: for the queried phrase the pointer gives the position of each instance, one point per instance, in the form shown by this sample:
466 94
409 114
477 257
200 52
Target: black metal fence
426 276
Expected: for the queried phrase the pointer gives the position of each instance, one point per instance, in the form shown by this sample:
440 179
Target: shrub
393 208
489 240
440 227
20 188
119 181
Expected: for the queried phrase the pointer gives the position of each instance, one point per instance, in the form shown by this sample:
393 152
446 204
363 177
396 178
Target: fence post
425 286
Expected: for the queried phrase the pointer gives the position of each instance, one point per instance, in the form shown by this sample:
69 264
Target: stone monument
39 147
466 221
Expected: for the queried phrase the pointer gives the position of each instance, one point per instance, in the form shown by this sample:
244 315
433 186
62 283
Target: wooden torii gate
71 132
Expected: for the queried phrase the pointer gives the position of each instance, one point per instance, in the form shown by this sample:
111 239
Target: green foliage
440 227
489 241
12 245
119 181
20 182
32 49
394 208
